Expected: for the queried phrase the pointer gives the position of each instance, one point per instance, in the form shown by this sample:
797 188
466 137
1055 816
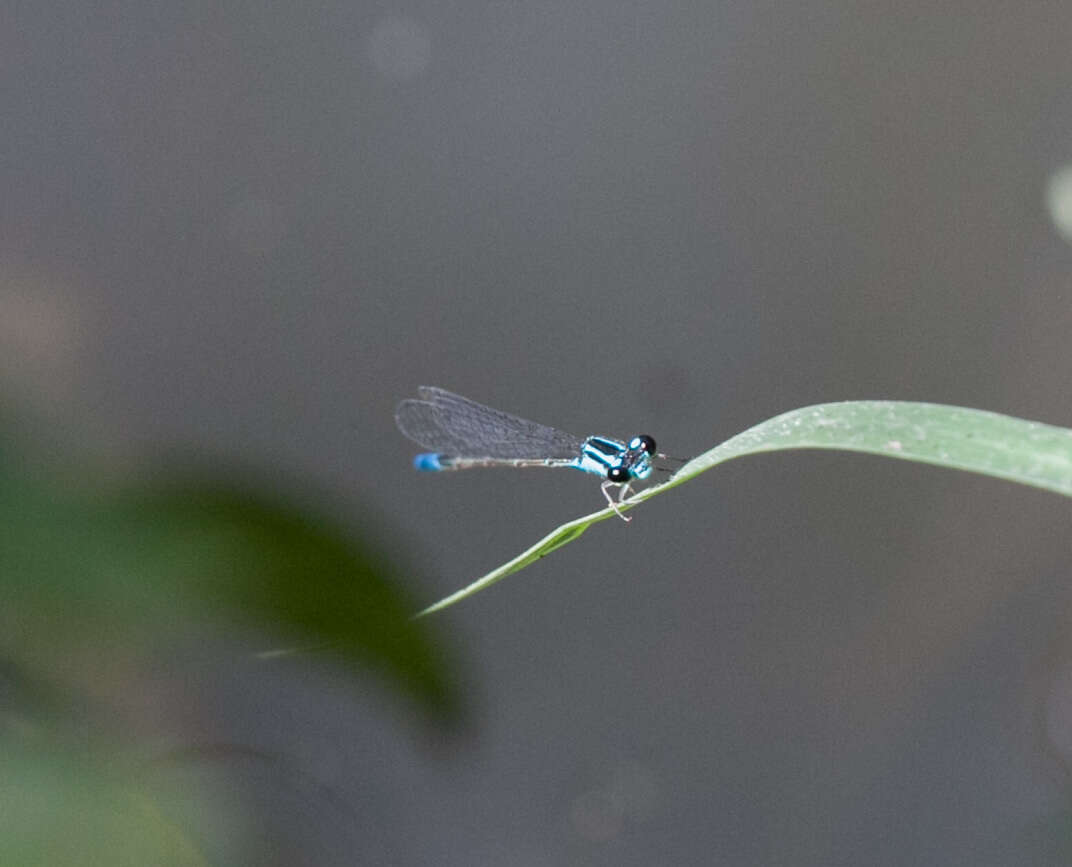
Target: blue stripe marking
427 461
599 454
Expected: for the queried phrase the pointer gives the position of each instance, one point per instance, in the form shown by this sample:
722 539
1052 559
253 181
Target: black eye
618 474
645 442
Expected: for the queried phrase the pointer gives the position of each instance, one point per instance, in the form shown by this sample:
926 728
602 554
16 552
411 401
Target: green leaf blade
989 443
551 542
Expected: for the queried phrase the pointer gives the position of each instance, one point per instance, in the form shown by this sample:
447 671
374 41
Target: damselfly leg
623 492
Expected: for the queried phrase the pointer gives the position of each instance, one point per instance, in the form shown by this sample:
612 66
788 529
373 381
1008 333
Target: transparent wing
456 426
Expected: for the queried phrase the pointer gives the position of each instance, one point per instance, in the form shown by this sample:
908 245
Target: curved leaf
253 558
989 443
87 571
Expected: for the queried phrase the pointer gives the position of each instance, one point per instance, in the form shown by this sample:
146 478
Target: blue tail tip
427 461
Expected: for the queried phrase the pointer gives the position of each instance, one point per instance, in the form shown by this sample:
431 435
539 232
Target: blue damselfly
464 434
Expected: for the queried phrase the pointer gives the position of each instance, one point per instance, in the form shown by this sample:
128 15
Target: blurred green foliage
96 581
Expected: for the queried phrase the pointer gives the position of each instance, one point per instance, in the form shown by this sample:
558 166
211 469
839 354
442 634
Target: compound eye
644 442
619 475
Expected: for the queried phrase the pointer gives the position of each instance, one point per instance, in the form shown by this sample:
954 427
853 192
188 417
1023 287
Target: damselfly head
635 460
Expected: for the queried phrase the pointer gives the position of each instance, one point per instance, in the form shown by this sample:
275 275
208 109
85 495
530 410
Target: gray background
248 230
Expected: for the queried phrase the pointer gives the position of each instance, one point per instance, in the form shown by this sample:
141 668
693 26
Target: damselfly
464 434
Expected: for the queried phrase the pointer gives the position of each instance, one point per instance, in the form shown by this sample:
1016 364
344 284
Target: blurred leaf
1022 451
94 584
64 804
249 558
89 578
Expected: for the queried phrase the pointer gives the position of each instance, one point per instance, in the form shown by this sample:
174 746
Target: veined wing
454 425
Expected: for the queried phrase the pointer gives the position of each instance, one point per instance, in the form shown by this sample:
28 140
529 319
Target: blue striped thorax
617 461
